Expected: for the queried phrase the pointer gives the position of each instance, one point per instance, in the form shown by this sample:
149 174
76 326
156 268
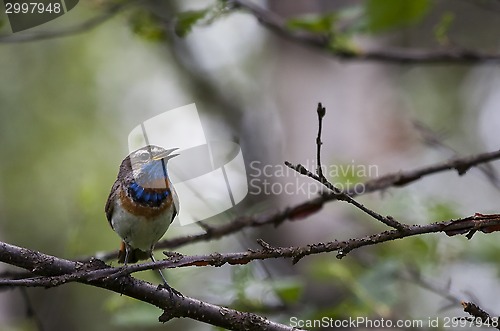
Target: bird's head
149 165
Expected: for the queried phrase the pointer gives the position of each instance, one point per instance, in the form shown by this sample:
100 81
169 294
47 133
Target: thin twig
387 220
483 318
340 195
321 113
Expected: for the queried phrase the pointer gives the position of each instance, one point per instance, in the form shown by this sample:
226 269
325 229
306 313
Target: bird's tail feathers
134 255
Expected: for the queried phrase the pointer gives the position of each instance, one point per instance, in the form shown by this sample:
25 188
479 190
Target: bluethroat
142 203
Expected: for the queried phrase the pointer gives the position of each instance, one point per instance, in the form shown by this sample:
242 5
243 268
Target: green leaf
342 43
418 251
441 29
330 270
289 290
187 19
339 41
313 23
440 211
389 14
146 26
361 286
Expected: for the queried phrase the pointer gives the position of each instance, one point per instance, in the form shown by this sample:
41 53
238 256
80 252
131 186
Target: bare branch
389 55
304 209
477 222
484 319
174 306
435 140
342 196
460 164
387 220
97 270
278 25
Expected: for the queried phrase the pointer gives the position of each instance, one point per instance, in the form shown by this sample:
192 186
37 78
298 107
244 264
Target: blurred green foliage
187 19
365 291
313 23
325 24
442 28
381 15
439 211
373 16
247 291
146 26
130 313
288 290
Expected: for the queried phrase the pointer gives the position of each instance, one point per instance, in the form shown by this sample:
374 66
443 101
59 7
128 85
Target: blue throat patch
154 170
150 196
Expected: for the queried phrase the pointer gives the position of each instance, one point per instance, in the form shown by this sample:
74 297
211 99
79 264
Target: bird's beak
166 155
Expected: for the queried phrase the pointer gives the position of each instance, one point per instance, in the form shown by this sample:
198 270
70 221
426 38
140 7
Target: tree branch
277 25
97 270
342 196
483 318
174 306
304 209
387 220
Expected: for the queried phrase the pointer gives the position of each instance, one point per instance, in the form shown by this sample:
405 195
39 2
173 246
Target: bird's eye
144 157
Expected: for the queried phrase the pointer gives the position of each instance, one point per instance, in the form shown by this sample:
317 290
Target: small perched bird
142 203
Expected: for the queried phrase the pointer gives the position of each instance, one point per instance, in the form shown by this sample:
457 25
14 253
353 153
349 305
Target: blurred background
68 104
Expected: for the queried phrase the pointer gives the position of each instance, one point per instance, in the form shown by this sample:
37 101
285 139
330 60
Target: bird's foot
170 289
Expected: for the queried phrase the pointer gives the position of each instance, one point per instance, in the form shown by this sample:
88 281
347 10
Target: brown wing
173 214
175 199
110 203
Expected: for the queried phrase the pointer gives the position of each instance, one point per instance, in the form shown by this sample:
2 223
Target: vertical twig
341 195
321 113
